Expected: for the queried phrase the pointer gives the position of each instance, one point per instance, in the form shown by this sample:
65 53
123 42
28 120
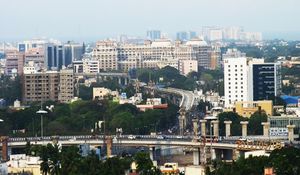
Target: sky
98 19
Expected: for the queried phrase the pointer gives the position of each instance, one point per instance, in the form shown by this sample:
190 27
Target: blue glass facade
264 82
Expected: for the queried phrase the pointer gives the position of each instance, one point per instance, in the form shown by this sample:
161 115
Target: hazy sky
88 19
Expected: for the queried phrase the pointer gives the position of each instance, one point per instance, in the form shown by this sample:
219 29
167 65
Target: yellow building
247 108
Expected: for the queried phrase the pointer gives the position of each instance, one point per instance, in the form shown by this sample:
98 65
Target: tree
235 126
255 127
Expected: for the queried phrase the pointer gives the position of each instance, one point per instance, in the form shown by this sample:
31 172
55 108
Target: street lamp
41 112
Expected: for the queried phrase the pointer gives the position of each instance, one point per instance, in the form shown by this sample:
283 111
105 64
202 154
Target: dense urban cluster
131 105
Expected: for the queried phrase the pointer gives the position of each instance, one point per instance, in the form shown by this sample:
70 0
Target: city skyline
93 20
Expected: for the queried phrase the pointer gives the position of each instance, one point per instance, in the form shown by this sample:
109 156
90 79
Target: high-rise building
48 85
250 79
66 86
236 80
73 51
153 34
266 80
55 56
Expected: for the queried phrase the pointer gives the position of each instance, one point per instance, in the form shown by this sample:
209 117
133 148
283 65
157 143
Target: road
188 97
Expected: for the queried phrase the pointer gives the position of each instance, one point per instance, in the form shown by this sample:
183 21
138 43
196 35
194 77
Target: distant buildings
232 33
186 35
154 34
247 79
110 55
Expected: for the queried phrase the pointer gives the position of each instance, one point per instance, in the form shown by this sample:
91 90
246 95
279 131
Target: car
131 137
160 137
179 137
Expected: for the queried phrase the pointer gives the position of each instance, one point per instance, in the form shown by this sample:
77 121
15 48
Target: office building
73 52
48 85
55 56
266 80
24 46
154 34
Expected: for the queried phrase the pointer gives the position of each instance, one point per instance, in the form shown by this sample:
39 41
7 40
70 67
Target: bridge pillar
182 121
195 126
4 141
104 78
109 143
235 154
244 128
119 81
196 156
203 127
216 127
152 153
227 128
266 127
291 132
125 81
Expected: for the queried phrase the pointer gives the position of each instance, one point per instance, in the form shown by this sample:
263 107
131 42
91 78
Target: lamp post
41 112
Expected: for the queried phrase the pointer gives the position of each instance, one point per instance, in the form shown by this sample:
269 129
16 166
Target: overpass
187 100
201 147
123 78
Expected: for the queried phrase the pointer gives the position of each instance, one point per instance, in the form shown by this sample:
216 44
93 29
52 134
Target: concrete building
20 163
247 108
48 85
278 124
187 66
107 55
159 53
37 56
66 85
185 35
233 53
101 92
14 62
236 80
90 66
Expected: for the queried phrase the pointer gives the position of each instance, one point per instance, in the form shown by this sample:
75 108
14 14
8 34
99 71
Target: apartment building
14 62
107 54
48 85
66 85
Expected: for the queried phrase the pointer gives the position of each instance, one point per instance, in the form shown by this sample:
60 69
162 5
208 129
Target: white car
131 137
